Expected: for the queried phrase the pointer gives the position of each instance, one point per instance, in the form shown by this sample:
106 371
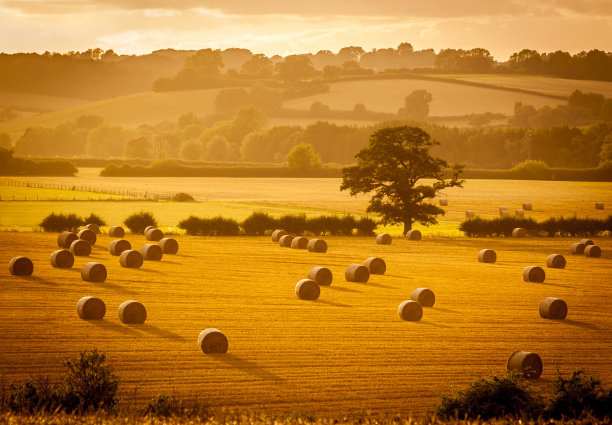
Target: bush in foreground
579 395
60 222
137 222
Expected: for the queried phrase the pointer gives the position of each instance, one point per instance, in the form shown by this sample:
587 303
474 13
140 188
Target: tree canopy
393 166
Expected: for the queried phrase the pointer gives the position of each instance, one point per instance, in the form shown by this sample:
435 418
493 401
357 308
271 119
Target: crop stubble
346 351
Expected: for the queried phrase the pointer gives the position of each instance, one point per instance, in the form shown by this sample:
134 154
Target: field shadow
103 323
435 325
154 330
556 284
247 366
343 289
579 324
380 285
144 269
72 269
398 276
445 310
170 261
115 287
183 255
36 279
331 303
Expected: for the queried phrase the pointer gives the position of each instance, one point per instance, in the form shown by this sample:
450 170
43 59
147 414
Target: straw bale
276 235
357 273
21 266
413 235
519 212
375 265
154 234
592 251
285 241
118 246
88 235
423 296
131 259
553 308
307 289
321 275
587 242
534 274
410 310
487 256
383 239
62 259
470 214
132 312
93 272
212 341
65 239
116 232
556 261
151 252
91 308
93 227
599 205
299 242
519 232
168 245
530 364
444 202
577 248
317 245
527 206
80 248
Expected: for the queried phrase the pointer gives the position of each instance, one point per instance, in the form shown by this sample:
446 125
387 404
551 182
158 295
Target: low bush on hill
139 221
216 226
11 166
572 226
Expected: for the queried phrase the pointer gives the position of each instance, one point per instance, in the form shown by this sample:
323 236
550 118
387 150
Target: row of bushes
538 170
72 222
11 166
572 226
260 223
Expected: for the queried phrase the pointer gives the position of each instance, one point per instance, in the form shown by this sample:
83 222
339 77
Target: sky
287 27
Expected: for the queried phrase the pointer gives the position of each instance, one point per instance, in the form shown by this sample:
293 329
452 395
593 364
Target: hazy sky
284 26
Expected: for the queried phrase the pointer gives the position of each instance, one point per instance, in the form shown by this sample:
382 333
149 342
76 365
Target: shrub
216 226
365 226
492 397
89 382
533 170
139 221
33 395
183 197
94 219
224 226
347 224
579 395
317 225
163 405
295 224
60 222
191 225
572 226
258 223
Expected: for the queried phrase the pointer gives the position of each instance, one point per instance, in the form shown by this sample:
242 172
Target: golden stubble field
346 352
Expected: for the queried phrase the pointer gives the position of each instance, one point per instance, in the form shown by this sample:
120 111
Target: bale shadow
380 285
169 261
400 277
245 365
579 324
445 310
72 269
144 269
183 255
343 289
436 325
105 324
331 303
555 284
114 286
154 330
36 279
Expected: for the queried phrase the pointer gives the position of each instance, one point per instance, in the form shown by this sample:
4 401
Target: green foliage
503 226
416 105
258 223
366 226
294 224
391 167
303 156
11 166
533 170
33 395
492 397
163 405
60 222
90 382
183 197
94 218
579 395
137 222
216 226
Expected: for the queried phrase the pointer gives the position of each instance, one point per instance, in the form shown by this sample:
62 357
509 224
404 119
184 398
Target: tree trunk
407 226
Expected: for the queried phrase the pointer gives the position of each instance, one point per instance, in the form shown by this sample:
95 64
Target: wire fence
134 195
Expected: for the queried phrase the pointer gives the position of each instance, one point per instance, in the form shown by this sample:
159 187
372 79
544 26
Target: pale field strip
346 352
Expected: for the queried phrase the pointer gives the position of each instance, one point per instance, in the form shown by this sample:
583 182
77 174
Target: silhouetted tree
416 105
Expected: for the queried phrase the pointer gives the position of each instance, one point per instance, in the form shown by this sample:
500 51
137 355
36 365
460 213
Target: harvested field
356 355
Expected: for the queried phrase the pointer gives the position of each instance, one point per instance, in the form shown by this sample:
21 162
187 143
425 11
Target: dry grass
357 354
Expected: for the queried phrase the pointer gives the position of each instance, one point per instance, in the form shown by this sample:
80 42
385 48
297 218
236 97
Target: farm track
346 352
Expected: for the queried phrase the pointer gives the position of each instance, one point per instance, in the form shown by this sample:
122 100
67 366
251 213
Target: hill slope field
25 102
346 352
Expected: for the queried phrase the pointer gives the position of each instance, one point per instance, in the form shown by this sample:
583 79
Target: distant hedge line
573 226
603 173
11 166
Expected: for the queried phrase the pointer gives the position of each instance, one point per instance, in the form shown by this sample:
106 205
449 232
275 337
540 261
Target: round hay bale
375 265
321 275
534 274
599 205
88 235
132 312
413 235
424 296
503 212
93 272
299 243
357 273
556 261
317 245
131 259
307 289
62 259
519 213
527 206
592 251
65 239
519 232
146 229
116 232
383 239
444 202
118 246
276 235
21 266
529 364
91 308
487 256
93 227
553 308
587 242
285 241
212 340
151 252
154 235
577 248
80 248
410 310
168 245
470 214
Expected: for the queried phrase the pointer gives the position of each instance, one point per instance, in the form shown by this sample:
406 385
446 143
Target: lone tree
393 167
